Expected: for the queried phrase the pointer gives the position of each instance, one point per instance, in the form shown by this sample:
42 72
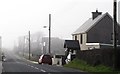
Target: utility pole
29 45
49 33
115 34
24 46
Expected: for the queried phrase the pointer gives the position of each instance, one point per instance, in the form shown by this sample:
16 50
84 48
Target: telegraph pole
29 45
24 46
49 33
115 34
49 47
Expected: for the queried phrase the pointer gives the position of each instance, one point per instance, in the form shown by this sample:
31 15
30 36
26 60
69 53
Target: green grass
82 65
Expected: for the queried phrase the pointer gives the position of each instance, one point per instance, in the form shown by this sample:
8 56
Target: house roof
89 24
71 44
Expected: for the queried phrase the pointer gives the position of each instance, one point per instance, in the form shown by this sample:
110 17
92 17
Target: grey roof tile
89 24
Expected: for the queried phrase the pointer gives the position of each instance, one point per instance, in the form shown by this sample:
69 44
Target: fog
17 17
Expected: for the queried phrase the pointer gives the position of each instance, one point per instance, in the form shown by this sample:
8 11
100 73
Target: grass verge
82 65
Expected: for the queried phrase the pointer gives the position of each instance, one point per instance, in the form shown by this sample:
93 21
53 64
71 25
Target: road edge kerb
31 61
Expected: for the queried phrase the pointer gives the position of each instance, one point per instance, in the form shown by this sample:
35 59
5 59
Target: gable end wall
101 32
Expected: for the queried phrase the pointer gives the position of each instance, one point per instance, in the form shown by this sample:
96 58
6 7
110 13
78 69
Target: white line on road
36 68
28 65
32 66
17 62
42 70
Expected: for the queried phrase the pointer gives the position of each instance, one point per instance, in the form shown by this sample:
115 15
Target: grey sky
19 16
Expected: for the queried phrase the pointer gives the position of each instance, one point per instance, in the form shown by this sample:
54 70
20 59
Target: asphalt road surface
17 64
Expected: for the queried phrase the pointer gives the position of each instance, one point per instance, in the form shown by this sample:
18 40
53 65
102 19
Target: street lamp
49 51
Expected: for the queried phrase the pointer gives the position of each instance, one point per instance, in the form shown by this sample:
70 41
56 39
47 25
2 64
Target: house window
81 40
75 37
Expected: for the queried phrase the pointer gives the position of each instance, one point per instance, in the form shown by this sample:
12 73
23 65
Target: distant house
96 32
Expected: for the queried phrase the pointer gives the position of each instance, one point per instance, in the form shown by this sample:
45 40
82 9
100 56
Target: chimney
95 14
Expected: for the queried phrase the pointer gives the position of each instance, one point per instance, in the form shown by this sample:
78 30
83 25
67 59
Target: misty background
17 17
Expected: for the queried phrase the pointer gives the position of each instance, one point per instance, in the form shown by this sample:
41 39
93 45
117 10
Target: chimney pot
96 14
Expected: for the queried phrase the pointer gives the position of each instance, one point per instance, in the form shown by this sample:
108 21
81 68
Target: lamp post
49 51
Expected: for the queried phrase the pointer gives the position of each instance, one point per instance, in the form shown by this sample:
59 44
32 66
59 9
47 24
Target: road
15 63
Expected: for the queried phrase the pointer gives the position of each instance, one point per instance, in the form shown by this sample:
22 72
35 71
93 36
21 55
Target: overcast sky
19 16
